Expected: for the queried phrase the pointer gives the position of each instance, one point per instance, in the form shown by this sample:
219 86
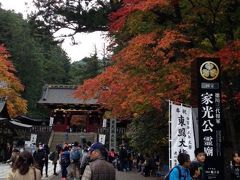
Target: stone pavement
120 176
133 176
5 169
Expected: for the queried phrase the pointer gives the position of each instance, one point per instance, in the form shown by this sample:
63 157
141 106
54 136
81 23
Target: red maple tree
11 86
154 65
153 68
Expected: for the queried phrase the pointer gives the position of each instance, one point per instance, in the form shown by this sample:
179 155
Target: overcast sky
87 42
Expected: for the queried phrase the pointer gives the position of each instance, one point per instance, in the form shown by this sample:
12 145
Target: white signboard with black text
182 133
102 138
33 138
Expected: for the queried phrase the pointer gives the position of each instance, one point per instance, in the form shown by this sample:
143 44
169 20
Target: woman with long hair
24 168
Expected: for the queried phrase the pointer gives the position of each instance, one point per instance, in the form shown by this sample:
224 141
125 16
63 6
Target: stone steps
62 137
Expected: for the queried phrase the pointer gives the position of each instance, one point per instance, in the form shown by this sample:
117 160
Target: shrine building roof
62 94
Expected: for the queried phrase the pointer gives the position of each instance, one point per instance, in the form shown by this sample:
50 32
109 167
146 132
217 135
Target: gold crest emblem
209 70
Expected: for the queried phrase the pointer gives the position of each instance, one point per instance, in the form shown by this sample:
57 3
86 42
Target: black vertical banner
210 116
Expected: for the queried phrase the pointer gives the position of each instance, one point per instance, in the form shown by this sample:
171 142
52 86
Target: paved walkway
120 176
5 169
133 176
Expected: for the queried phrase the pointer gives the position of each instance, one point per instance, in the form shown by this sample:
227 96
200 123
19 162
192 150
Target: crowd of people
93 161
78 162
186 170
147 164
194 170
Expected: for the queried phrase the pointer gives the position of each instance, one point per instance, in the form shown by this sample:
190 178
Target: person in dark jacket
46 150
7 152
39 157
200 158
98 168
123 158
64 161
150 165
140 161
195 171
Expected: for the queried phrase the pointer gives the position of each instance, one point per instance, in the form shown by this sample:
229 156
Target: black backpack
52 156
179 172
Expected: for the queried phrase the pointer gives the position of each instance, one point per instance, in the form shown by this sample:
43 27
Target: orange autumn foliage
11 86
153 68
153 65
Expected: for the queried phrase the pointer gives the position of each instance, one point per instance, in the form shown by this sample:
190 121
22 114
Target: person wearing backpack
64 161
181 171
75 157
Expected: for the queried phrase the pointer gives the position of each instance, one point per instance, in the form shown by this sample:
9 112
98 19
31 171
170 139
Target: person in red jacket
111 155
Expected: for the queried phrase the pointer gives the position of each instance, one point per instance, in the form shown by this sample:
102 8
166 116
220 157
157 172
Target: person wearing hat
98 168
